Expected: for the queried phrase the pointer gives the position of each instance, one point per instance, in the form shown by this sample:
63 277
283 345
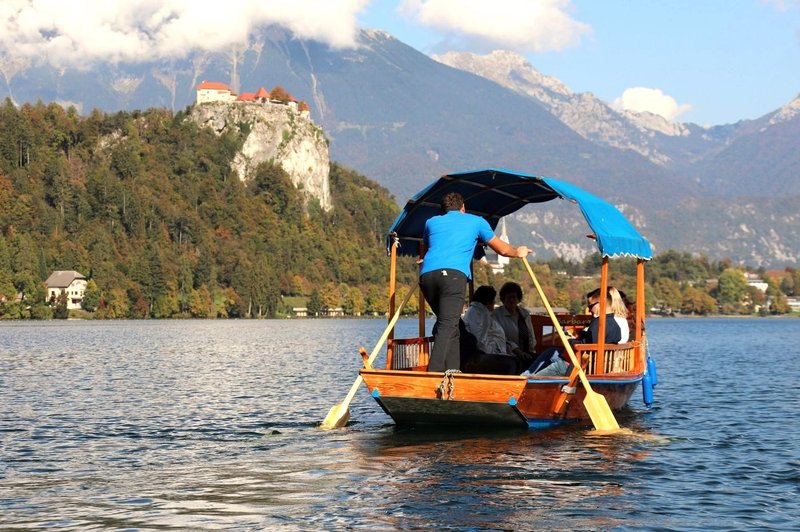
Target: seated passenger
617 329
555 361
478 319
620 306
490 353
516 322
630 309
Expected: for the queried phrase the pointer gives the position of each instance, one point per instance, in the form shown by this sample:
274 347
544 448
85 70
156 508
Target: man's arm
423 249
505 249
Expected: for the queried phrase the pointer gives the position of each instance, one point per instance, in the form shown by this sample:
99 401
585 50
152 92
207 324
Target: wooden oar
339 414
599 411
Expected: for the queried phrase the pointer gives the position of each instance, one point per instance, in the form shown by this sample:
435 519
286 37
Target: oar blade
599 411
337 417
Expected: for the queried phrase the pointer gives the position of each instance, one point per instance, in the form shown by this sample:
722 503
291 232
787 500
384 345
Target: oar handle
376 350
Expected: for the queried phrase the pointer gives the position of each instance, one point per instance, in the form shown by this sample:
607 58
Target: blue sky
719 60
705 61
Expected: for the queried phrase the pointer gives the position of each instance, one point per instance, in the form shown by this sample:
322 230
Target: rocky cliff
274 132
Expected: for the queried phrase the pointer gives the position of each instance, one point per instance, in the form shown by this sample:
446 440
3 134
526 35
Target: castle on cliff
274 135
214 91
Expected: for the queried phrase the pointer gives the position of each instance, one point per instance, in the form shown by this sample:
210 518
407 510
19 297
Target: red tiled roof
262 93
213 85
246 97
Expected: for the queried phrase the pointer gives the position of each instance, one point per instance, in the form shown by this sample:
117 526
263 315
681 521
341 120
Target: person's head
614 302
485 295
618 306
593 302
452 201
630 306
511 295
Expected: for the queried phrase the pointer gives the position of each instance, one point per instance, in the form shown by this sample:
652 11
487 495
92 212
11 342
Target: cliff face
274 132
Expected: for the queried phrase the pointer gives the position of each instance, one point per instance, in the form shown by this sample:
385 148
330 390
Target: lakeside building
70 282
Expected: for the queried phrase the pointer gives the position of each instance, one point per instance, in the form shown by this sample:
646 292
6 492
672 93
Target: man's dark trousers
444 291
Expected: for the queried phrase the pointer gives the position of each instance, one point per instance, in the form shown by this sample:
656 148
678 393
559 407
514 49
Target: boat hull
420 398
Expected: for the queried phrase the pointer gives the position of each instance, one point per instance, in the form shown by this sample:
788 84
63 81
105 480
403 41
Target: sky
710 62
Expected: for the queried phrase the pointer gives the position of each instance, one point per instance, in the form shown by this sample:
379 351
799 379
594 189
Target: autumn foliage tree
280 94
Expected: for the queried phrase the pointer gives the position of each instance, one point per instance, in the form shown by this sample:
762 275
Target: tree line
145 204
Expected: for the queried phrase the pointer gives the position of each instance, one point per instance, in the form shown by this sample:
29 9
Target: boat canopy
493 193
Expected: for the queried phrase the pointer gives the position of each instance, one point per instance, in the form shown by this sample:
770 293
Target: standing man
447 249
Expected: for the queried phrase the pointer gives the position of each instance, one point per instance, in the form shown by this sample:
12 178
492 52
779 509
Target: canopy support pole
392 292
640 312
601 332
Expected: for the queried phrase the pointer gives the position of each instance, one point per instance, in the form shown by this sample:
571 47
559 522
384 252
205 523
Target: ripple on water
196 425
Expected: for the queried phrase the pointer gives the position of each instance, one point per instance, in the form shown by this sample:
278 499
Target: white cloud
79 31
641 99
520 25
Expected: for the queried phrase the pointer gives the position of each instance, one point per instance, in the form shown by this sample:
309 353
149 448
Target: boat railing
410 353
615 358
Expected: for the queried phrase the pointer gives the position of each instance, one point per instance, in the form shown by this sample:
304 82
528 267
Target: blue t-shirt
451 239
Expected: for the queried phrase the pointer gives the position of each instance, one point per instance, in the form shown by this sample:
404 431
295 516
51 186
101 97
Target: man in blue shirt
447 249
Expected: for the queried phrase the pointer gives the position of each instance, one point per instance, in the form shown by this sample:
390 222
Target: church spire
503 232
502 261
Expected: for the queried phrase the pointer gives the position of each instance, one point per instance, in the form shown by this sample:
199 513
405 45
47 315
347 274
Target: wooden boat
411 395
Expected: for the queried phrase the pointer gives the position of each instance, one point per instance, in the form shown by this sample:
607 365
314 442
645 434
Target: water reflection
532 477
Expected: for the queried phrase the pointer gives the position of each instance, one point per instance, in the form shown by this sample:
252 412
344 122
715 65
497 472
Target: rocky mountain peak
506 68
584 113
787 112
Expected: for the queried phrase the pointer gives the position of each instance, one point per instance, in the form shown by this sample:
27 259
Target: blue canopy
493 193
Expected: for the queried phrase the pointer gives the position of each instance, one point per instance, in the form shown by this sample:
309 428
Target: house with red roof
262 95
213 91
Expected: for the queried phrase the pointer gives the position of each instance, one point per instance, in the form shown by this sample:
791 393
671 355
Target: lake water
213 425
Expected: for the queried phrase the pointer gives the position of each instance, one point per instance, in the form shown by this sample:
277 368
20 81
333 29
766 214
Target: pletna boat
607 374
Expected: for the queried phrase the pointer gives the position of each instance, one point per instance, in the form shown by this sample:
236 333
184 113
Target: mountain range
403 118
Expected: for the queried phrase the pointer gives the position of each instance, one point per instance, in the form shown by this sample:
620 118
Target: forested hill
145 205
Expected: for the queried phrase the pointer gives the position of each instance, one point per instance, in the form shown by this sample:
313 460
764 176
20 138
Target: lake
213 425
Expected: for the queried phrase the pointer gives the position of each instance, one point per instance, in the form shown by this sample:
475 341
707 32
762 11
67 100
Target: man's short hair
452 201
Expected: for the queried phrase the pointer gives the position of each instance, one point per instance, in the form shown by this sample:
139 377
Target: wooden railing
413 354
615 358
410 353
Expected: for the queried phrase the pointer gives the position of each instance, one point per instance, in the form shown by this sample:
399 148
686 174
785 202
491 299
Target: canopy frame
493 193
